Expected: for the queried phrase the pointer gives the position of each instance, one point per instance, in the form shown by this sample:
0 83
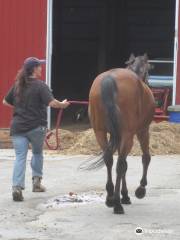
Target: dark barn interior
92 36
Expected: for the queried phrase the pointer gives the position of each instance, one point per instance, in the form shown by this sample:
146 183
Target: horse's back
127 87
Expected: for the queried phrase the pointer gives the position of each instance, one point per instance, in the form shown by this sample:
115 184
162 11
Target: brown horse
121 104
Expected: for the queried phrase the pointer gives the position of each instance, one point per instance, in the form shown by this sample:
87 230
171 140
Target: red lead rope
58 123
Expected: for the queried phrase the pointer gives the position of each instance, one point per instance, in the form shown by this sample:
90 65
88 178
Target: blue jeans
21 143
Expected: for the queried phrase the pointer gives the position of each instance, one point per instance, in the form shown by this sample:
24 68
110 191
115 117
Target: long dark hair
22 80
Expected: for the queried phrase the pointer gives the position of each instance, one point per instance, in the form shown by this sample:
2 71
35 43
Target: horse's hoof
126 200
118 209
110 202
140 192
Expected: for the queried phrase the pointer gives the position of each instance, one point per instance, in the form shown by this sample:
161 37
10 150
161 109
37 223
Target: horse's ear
132 56
131 59
146 57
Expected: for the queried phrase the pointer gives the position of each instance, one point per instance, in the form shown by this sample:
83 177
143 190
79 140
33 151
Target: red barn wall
22 34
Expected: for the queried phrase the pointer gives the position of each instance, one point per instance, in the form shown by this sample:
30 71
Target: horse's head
140 66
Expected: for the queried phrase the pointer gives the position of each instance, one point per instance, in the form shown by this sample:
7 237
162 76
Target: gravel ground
157 214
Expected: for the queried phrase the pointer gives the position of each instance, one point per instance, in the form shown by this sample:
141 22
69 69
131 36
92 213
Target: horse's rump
129 93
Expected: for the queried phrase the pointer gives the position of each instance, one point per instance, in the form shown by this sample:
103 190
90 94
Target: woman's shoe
37 186
17 194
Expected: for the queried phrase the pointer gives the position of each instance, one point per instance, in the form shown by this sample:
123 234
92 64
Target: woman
29 98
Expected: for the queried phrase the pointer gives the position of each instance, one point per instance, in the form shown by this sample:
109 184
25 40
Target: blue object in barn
160 81
174 113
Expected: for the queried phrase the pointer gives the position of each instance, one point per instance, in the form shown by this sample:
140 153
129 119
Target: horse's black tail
109 93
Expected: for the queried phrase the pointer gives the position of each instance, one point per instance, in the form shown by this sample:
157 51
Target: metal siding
23 34
178 65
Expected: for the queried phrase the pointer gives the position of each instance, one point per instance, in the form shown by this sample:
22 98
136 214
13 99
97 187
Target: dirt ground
164 139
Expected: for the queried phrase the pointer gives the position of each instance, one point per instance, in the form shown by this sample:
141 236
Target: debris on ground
73 199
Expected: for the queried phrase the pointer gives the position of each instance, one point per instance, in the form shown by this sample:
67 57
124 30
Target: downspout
175 53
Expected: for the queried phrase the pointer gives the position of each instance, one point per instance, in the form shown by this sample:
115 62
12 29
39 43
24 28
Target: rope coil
58 123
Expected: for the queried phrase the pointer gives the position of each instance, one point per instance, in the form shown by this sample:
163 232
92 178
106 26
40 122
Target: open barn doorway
92 36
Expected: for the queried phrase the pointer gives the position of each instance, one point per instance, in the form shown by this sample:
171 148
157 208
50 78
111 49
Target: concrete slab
157 214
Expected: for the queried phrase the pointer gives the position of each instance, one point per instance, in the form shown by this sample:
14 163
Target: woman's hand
65 103
57 104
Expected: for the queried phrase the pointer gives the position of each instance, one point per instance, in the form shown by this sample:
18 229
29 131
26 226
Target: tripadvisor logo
139 231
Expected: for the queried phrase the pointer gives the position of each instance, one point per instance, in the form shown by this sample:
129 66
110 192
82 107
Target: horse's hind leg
143 138
121 169
101 137
124 192
108 158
